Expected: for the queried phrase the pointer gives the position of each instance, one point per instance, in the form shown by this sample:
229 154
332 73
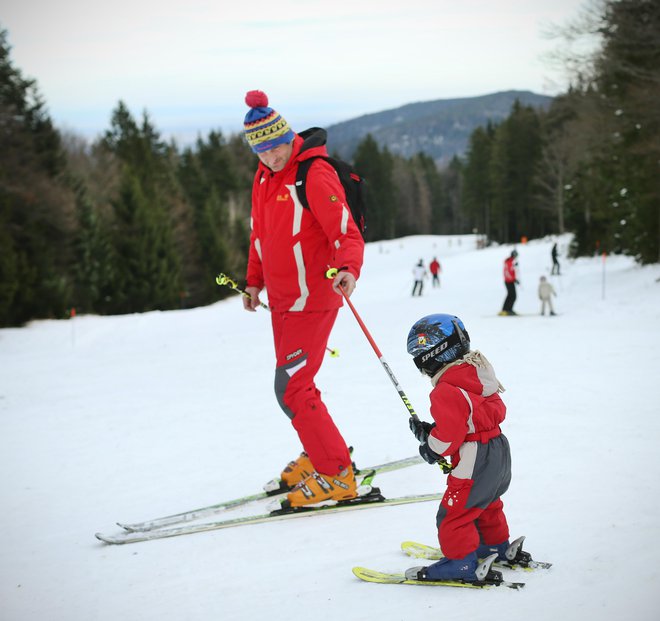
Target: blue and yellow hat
265 128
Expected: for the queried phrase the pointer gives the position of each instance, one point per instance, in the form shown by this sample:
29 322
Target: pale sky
190 62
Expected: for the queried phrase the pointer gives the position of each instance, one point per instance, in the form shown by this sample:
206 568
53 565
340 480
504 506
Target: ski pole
331 273
223 279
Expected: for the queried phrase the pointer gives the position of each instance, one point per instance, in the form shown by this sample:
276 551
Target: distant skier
554 253
510 282
546 291
435 270
419 274
467 411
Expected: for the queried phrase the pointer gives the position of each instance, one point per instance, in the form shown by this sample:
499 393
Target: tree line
590 164
132 223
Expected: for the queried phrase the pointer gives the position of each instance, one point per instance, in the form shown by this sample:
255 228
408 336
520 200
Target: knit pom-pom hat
265 128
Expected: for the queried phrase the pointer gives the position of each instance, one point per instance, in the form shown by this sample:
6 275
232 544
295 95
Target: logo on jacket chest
283 197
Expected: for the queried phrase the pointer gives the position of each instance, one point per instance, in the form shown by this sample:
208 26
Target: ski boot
467 569
509 554
295 472
322 489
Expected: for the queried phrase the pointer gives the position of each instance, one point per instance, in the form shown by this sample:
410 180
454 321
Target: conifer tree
212 184
36 206
147 269
477 192
453 188
95 261
629 78
148 266
377 168
514 156
613 192
433 188
413 209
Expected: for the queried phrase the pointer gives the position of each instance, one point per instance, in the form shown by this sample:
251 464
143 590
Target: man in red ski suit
291 250
467 412
510 282
435 268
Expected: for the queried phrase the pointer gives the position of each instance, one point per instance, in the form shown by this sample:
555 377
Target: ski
370 575
431 553
503 314
202 512
373 500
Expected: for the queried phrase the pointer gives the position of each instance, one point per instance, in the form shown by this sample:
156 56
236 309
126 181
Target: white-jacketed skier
546 291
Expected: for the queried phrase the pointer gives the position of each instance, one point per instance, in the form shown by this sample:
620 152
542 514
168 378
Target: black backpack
354 184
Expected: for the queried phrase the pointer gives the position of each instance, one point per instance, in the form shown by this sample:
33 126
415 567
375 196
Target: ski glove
421 429
429 455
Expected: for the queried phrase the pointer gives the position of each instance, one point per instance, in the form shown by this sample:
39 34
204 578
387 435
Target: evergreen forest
132 223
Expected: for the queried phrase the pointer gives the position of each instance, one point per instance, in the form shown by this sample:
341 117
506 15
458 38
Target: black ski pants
510 296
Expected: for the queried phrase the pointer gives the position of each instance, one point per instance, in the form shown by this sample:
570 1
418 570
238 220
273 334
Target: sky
188 63
127 418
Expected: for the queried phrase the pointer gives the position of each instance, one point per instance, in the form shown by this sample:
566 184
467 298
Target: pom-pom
256 99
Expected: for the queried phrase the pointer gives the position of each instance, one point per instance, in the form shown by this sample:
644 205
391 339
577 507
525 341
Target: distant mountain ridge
439 128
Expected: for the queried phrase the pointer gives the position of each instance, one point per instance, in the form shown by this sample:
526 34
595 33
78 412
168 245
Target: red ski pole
331 273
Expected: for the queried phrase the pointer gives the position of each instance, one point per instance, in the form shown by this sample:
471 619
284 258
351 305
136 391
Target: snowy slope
131 417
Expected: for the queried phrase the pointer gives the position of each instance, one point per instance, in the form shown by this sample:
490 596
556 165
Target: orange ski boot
295 472
322 489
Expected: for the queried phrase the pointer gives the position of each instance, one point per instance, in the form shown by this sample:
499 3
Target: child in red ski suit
467 411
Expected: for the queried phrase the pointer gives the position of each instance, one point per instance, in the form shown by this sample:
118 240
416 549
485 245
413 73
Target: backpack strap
301 179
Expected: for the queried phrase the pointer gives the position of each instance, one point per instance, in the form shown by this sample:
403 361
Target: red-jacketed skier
510 282
467 411
291 250
435 268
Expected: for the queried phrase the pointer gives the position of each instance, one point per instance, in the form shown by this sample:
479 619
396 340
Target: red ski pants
300 342
471 511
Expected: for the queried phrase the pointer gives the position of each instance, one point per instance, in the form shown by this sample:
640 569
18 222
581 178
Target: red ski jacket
291 248
466 407
510 270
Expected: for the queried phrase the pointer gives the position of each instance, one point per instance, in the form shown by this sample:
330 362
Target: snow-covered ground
131 417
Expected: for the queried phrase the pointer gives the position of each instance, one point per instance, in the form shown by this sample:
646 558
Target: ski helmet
437 340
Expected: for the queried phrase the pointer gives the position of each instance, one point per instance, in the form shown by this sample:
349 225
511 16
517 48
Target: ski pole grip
331 273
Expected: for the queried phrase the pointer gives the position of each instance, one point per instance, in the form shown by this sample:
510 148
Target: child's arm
421 430
450 410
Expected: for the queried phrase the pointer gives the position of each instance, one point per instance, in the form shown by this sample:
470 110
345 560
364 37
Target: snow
132 417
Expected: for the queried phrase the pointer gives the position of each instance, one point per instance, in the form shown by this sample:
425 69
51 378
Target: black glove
429 455
421 429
